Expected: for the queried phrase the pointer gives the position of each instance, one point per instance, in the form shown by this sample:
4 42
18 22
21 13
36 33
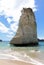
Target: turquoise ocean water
7 45
34 55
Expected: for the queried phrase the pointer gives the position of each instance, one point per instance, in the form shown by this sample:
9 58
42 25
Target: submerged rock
27 30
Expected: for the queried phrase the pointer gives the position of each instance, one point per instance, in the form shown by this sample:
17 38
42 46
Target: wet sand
13 62
20 58
17 58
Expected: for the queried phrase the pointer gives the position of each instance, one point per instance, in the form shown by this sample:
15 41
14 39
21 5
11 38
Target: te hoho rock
27 30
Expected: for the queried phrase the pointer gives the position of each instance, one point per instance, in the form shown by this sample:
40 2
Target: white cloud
13 7
26 3
3 28
10 33
9 20
11 30
14 27
9 36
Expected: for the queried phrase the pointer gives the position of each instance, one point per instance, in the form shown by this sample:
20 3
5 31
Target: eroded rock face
27 32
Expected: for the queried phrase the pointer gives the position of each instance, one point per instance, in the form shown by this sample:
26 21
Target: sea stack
27 30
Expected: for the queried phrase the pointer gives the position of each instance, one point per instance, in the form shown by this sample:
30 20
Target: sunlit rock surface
27 30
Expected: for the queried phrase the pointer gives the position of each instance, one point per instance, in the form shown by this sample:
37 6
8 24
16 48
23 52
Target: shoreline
11 55
16 60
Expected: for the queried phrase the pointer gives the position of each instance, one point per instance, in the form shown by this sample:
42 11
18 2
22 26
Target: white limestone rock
27 30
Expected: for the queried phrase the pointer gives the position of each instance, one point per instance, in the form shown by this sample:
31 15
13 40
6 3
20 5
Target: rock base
25 45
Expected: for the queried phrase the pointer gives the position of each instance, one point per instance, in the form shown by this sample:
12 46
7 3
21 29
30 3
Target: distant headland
40 39
0 40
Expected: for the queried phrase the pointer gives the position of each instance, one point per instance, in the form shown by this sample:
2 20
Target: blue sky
40 18
10 11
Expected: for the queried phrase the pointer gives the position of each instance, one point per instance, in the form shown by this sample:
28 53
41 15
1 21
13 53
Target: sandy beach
13 62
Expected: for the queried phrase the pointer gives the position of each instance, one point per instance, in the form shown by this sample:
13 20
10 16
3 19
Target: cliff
27 30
